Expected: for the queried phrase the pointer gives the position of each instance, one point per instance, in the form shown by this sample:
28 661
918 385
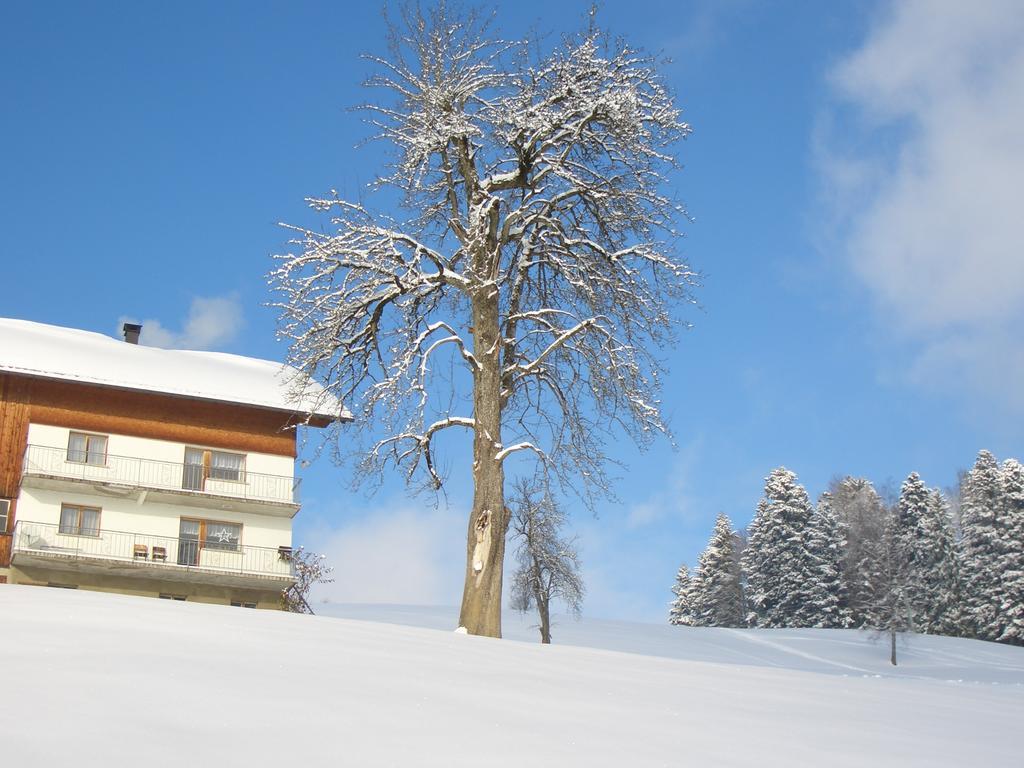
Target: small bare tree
548 566
525 287
309 569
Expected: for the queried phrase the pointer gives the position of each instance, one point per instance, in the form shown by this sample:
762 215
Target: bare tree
548 565
309 569
526 283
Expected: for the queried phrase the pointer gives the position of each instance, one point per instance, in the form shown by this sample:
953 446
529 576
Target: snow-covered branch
534 192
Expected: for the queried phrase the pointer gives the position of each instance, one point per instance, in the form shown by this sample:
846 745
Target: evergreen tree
776 563
1011 613
859 509
719 590
884 570
910 548
681 610
981 546
940 612
826 542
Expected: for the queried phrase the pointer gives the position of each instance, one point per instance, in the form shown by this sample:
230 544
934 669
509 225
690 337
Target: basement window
84 448
242 604
166 596
79 521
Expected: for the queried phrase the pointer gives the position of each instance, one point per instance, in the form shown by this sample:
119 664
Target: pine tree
910 548
861 512
1011 612
719 590
776 563
981 546
940 612
681 610
885 572
826 542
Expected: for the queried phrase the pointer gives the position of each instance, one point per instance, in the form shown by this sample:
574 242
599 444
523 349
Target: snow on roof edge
69 354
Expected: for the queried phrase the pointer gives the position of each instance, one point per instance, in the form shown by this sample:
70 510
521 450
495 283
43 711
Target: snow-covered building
148 471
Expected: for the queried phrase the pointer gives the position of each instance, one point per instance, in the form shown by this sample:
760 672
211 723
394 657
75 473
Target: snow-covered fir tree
910 548
885 572
681 609
940 607
777 565
718 584
860 510
981 499
826 542
1011 612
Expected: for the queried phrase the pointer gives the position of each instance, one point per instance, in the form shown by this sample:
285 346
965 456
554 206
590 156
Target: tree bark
544 610
488 522
892 646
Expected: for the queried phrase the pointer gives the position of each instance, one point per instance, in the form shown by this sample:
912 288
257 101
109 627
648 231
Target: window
226 466
201 464
79 521
87 449
165 596
5 514
197 535
222 536
242 604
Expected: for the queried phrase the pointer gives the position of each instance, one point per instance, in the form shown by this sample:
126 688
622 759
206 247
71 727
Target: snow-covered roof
53 352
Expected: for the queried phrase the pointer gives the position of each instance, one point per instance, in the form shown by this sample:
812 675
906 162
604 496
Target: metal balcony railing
167 475
143 549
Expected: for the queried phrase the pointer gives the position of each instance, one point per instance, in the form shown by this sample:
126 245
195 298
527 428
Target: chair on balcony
160 553
140 552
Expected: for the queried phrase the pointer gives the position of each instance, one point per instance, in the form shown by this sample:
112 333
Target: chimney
131 332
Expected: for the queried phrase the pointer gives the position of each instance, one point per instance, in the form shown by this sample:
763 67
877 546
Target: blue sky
850 174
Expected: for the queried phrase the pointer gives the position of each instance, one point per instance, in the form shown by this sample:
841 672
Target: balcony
170 482
153 557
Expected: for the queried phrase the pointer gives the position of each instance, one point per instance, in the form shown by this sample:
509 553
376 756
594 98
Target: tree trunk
892 645
488 522
544 609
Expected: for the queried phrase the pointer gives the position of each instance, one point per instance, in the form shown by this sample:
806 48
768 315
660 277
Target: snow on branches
532 182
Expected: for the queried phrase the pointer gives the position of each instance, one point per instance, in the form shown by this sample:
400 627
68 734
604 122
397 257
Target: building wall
158 450
92 408
41 505
197 593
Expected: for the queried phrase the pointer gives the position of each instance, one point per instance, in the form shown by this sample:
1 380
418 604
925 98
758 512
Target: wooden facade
109 410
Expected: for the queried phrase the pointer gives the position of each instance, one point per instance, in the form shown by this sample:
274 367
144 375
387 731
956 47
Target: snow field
97 680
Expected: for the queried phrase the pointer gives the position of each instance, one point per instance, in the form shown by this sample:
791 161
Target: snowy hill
849 653
95 679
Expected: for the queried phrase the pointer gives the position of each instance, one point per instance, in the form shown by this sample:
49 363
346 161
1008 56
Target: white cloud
925 164
211 323
396 554
671 498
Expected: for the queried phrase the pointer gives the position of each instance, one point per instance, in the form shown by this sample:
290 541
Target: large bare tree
531 240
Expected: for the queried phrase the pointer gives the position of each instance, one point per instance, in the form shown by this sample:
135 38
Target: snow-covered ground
108 680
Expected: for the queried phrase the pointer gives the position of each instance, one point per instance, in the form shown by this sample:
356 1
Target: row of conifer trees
922 562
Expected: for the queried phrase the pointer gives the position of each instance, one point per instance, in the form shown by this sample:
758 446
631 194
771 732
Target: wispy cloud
211 323
923 157
396 553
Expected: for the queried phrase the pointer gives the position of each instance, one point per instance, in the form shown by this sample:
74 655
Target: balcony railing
166 475
157 552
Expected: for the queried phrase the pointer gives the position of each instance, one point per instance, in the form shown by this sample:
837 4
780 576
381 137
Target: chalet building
146 471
